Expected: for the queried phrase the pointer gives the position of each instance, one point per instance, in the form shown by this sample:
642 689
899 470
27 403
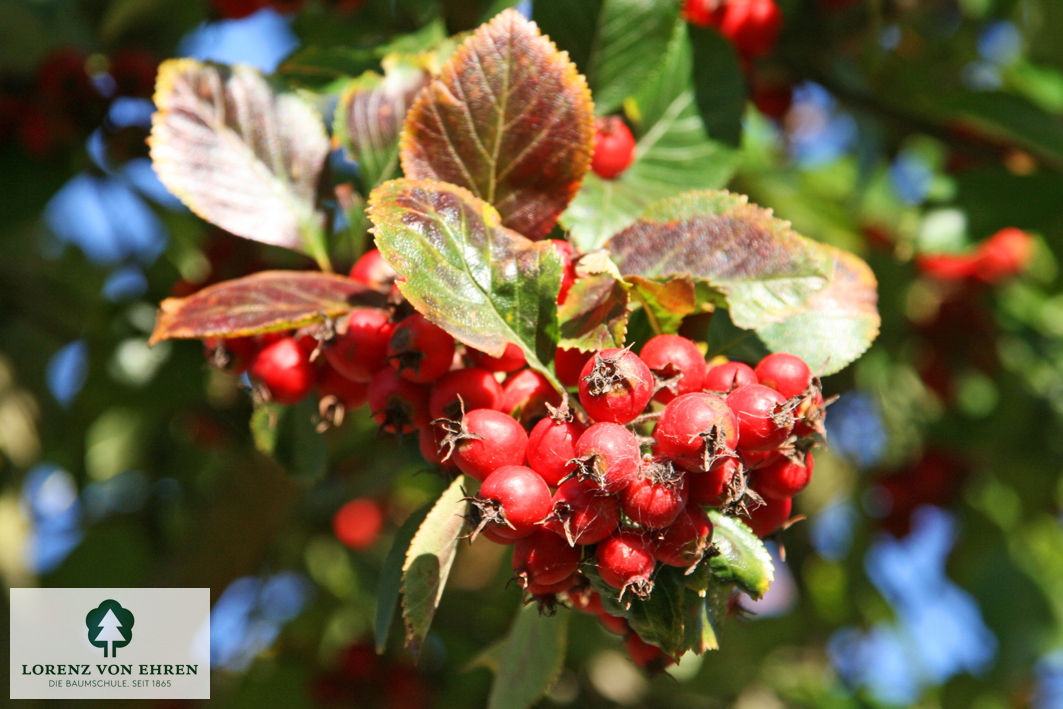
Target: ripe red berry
429 440
420 351
614 147
398 405
727 376
514 499
350 393
284 368
464 390
547 589
544 558
585 600
567 252
615 386
784 476
607 457
526 393
695 428
785 373
373 271
710 487
752 26
625 561
358 523
646 656
361 349
581 515
1004 254
770 516
231 353
568 364
551 448
703 13
676 362
655 498
510 361
764 421
483 441
686 540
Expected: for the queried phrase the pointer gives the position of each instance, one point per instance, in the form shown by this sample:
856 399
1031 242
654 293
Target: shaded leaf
261 302
799 295
673 154
484 284
324 68
1012 118
661 619
665 303
700 630
238 155
288 435
387 597
531 659
428 562
719 84
743 559
370 113
509 119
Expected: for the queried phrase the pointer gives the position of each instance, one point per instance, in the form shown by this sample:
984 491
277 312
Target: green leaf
484 284
531 659
261 302
666 303
673 153
661 619
288 435
800 296
326 68
510 120
616 43
428 562
387 597
238 155
700 630
370 113
719 84
742 560
1012 118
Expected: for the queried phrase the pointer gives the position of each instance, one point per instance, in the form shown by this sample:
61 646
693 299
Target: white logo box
60 651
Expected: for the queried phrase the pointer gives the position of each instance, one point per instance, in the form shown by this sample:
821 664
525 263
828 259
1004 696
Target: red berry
372 270
357 524
483 441
544 558
607 457
360 351
514 499
285 370
546 589
581 515
615 386
676 362
510 361
784 477
551 448
429 440
526 393
625 561
1004 254
696 428
686 540
656 497
703 13
646 656
614 623
231 353
568 364
567 252
464 390
614 147
710 487
770 516
398 405
236 9
585 600
350 393
785 373
752 26
764 421
420 351
727 376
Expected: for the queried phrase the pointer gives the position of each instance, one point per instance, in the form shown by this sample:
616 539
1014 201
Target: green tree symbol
109 623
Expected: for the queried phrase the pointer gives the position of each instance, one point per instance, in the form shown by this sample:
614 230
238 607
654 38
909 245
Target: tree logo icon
109 624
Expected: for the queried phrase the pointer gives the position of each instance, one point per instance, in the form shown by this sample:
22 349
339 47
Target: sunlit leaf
261 302
370 114
799 295
666 303
673 154
239 155
594 314
428 562
743 559
530 659
509 119
486 285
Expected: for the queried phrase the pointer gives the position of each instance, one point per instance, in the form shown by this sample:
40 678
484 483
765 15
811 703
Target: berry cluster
619 483
752 26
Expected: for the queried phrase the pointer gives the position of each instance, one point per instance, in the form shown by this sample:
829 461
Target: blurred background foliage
930 570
